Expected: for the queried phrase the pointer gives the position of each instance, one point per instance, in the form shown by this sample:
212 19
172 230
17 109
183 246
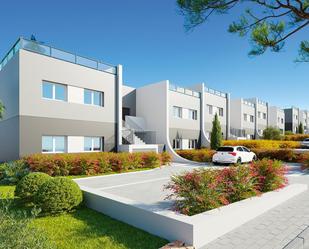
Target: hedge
205 189
296 137
202 155
93 163
263 144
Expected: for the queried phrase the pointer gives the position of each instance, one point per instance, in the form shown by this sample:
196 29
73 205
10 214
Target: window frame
220 111
101 139
177 141
54 84
192 114
92 92
179 111
54 151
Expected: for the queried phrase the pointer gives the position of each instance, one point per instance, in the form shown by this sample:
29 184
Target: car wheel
216 163
238 161
254 158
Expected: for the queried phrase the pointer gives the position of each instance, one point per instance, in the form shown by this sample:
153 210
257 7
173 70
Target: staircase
129 137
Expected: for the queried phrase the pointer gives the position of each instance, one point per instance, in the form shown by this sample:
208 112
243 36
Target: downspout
228 115
118 108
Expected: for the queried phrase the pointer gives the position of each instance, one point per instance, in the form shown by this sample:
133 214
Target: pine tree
216 134
2 109
301 128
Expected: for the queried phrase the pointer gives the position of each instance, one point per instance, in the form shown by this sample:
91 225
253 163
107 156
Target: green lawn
87 229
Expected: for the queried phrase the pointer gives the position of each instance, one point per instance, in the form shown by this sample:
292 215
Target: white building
276 118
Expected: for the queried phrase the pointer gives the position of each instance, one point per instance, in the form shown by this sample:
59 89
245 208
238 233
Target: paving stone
273 230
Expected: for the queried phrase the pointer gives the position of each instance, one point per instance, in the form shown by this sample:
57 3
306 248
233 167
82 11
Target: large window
93 97
245 117
192 143
264 116
53 144
177 143
177 112
93 144
54 91
192 114
251 119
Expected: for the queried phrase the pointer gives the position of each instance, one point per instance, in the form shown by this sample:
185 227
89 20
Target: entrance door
125 112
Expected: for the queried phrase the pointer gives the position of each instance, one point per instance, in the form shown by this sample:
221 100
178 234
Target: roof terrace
46 50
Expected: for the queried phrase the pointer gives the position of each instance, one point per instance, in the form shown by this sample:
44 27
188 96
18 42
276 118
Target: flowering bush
296 137
269 174
305 160
286 155
202 155
263 144
205 189
93 163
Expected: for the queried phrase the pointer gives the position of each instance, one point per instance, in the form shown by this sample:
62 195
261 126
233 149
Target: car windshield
306 140
225 149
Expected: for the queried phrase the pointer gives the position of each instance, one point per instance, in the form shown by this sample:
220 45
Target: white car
305 143
233 154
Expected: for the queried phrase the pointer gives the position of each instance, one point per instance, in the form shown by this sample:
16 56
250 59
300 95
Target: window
246 117
251 118
210 109
264 116
220 110
192 114
282 121
245 149
93 144
53 144
259 114
54 91
177 112
93 97
176 143
192 143
239 149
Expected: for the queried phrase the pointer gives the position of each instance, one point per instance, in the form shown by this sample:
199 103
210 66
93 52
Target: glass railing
248 103
39 48
215 92
184 91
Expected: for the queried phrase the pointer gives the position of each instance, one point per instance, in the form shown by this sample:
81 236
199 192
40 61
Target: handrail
50 51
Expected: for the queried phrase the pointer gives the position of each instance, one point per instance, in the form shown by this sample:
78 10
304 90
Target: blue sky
149 40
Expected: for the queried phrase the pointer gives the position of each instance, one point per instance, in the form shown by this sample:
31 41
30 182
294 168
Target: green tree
2 109
216 134
272 133
301 128
268 23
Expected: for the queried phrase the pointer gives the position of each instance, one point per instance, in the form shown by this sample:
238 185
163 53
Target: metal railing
39 48
184 91
215 92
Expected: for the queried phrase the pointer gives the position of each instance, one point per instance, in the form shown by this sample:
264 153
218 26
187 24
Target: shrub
286 155
29 185
166 158
58 195
304 159
202 155
263 144
216 134
295 137
301 128
289 133
204 189
272 133
270 175
93 163
12 172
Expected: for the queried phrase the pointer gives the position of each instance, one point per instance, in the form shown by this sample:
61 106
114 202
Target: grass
88 229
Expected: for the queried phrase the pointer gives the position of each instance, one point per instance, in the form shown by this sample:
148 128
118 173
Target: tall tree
301 128
2 109
216 134
268 22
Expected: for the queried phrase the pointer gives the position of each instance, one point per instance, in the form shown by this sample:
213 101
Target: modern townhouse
304 119
261 114
57 102
276 118
292 119
243 119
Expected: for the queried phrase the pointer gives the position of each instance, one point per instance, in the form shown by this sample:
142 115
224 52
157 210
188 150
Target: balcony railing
184 91
39 48
248 103
215 92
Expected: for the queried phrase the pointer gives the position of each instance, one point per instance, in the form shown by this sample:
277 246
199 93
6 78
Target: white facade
276 118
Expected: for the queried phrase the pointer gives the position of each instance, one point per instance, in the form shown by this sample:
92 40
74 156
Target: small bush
272 133
151 160
304 159
166 158
286 155
13 172
29 185
263 144
58 195
295 137
270 175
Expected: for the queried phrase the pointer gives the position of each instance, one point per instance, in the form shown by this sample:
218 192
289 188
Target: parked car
305 143
233 154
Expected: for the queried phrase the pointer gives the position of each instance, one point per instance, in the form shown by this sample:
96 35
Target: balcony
49 51
184 91
215 92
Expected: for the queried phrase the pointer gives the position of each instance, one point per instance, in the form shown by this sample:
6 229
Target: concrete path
274 229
